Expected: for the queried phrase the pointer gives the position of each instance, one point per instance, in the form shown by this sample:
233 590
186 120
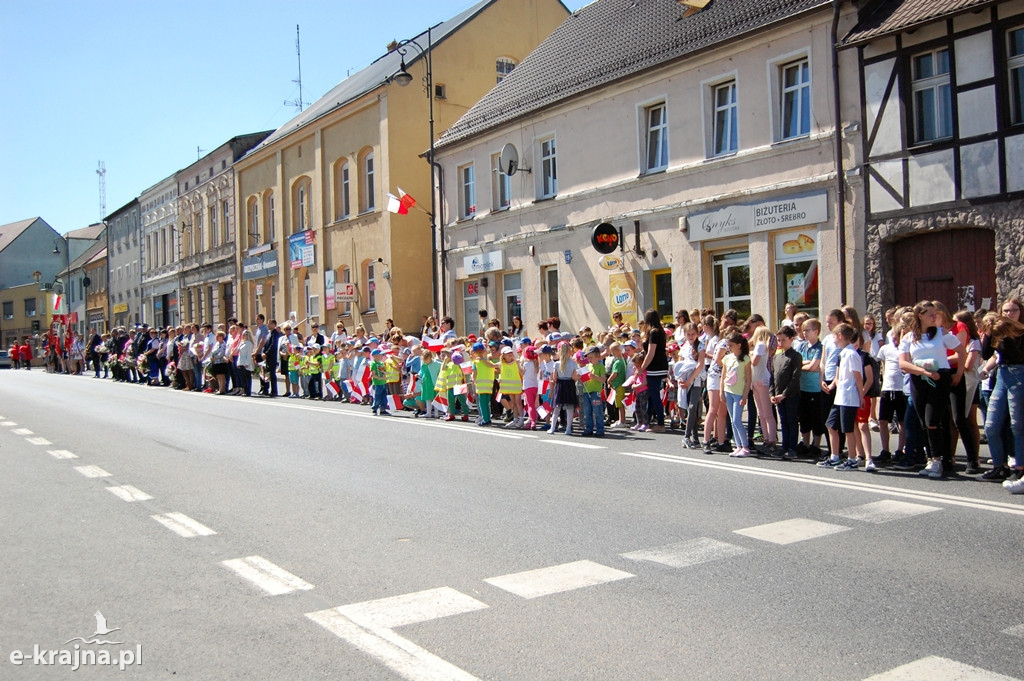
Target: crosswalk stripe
558 578
181 524
22 431
413 608
267 576
1017 631
884 511
687 553
791 531
92 471
8 424
38 441
61 454
129 493
935 668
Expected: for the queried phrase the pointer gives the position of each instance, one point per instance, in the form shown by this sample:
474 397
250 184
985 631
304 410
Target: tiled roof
372 77
11 231
91 232
610 39
893 16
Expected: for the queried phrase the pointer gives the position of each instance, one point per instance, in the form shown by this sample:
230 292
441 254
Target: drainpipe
840 174
440 220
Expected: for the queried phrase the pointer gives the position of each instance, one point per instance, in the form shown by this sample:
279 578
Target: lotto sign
344 293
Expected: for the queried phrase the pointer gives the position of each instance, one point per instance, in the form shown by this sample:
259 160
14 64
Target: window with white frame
504 66
795 79
501 185
932 96
548 169
655 137
726 119
1015 68
371 286
345 276
367 198
467 191
254 221
345 187
225 221
213 222
30 307
302 204
271 235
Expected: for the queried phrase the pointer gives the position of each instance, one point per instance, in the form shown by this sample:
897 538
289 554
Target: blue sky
140 85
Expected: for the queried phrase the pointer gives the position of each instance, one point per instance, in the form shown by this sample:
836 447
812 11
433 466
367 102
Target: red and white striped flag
461 389
56 303
611 397
441 403
333 389
433 344
585 375
392 402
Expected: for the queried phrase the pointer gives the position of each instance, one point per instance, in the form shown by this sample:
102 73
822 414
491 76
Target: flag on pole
406 200
585 375
395 205
56 303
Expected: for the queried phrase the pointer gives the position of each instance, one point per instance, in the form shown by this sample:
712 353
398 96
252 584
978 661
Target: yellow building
313 197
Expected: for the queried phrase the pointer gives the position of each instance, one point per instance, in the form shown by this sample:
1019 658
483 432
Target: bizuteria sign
762 216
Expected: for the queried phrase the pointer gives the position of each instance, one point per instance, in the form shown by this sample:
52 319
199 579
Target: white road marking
846 483
129 493
267 576
393 651
181 524
569 443
92 471
884 511
422 606
61 454
22 431
558 578
1017 631
8 424
38 441
791 531
938 669
687 553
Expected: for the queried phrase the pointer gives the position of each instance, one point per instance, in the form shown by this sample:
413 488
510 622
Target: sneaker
385 412
1015 487
829 463
972 468
847 465
514 424
893 427
770 449
465 418
707 448
873 424
741 453
552 430
903 463
870 467
789 455
927 470
449 417
997 474
635 427
724 448
801 449
884 457
642 428
936 472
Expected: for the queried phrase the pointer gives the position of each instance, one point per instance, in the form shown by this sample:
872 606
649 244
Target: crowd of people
810 388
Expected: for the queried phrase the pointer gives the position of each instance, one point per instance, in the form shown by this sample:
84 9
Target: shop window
732 283
796 271
662 283
470 306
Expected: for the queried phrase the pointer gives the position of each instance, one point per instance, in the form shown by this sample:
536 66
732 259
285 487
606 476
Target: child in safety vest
510 382
455 384
483 378
393 375
294 361
326 370
378 381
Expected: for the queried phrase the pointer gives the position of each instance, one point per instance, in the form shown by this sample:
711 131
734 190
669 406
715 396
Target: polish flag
56 303
433 344
467 368
406 200
333 389
461 389
611 397
392 403
356 390
395 205
585 376
543 411
441 403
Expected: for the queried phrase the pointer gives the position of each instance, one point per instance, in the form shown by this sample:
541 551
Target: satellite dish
509 159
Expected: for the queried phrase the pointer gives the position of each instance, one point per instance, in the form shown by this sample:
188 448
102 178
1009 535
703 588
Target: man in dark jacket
270 357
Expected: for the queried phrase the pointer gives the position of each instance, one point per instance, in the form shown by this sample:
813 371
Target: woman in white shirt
923 357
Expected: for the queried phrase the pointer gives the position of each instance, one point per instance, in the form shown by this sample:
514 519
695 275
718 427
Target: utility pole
101 170
298 103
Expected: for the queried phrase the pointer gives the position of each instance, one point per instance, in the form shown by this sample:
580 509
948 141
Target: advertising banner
622 297
301 251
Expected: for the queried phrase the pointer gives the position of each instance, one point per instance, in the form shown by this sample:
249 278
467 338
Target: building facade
705 140
942 87
207 228
320 242
94 286
161 267
32 254
124 261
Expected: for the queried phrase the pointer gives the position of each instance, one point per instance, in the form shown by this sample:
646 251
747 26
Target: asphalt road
324 542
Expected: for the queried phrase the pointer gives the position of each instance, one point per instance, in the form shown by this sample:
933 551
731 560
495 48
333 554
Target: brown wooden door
955 266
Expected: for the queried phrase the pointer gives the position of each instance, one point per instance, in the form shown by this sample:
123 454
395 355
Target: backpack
875 389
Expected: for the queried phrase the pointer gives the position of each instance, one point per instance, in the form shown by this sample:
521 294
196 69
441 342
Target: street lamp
403 78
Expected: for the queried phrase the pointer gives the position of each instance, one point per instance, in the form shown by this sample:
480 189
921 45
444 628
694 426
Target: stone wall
1006 219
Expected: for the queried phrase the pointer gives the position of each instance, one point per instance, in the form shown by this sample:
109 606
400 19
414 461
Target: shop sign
344 293
797 245
121 308
485 262
301 251
604 238
622 297
761 216
259 266
610 262
259 289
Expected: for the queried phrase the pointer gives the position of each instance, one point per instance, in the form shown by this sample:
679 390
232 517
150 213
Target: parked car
5 359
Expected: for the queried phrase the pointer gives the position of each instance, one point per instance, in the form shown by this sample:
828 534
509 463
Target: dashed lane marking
92 471
1017 631
791 531
368 627
22 431
129 493
8 424
38 441
267 576
687 553
558 578
182 525
61 454
846 483
884 511
939 669
569 443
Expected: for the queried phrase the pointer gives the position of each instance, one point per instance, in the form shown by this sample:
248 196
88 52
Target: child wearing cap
451 371
326 370
483 379
379 381
594 375
565 374
294 362
428 382
510 382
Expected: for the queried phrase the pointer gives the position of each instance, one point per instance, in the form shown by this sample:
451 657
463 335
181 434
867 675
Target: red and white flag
56 303
461 389
333 389
400 204
611 397
585 376
433 344
441 404
392 402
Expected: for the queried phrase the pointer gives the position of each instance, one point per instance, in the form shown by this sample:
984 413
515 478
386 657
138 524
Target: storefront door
732 283
662 280
470 307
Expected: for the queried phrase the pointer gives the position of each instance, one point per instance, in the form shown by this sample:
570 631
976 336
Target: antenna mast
298 103
101 170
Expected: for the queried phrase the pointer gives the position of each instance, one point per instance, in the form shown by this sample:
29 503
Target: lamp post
403 78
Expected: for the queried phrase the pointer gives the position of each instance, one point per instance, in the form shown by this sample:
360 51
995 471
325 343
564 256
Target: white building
160 260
